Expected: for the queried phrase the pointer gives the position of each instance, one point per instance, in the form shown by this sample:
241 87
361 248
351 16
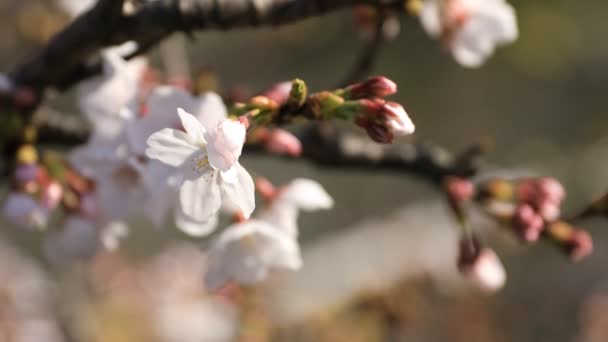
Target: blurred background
381 265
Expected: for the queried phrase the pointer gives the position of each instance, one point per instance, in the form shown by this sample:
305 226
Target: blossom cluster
161 152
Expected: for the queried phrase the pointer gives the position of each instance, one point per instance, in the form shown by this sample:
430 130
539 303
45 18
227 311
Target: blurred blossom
78 240
470 28
184 310
484 270
52 195
28 310
112 235
299 194
246 252
25 173
23 210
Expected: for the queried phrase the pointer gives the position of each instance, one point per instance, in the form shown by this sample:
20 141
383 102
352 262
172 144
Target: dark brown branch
64 61
329 147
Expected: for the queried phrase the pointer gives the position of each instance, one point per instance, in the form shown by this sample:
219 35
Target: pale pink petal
193 127
210 110
225 144
200 198
241 193
194 227
170 146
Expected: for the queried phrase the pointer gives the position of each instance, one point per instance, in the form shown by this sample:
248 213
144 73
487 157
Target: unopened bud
377 86
26 154
327 105
297 94
266 189
546 194
263 102
550 189
527 223
280 141
481 266
459 189
398 120
580 245
279 92
383 120
549 211
498 189
52 195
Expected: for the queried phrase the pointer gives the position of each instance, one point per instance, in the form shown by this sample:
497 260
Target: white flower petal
430 17
200 198
306 194
161 105
225 144
107 94
194 227
170 146
192 126
241 193
245 252
210 110
282 215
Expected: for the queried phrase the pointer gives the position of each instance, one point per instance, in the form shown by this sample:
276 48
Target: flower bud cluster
532 208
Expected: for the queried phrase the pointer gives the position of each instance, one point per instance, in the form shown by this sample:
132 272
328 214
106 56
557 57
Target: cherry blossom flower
107 100
485 271
208 108
299 194
245 252
470 28
208 161
24 211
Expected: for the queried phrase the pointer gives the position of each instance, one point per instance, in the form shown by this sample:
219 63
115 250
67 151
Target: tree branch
65 60
325 145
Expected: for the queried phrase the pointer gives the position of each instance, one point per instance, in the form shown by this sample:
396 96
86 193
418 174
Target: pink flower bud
266 189
279 92
580 245
459 189
483 267
280 141
526 191
399 122
52 195
383 120
527 223
550 189
377 86
549 211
